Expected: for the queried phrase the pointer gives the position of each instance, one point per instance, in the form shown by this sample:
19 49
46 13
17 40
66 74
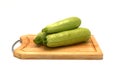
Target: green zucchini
40 38
63 25
64 38
67 37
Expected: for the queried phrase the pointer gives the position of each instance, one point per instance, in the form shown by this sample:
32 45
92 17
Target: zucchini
63 25
67 37
39 39
63 33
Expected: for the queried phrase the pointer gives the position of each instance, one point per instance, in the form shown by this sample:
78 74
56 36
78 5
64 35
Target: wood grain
29 50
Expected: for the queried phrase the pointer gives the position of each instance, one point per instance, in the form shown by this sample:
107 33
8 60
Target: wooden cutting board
29 50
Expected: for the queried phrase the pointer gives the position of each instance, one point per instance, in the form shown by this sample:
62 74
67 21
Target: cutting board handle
15 44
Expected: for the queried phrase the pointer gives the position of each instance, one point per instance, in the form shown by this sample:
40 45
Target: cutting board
29 50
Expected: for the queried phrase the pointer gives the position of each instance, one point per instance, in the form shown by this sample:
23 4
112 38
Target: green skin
68 37
63 25
40 38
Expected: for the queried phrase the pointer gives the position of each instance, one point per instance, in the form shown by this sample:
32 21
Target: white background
21 17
